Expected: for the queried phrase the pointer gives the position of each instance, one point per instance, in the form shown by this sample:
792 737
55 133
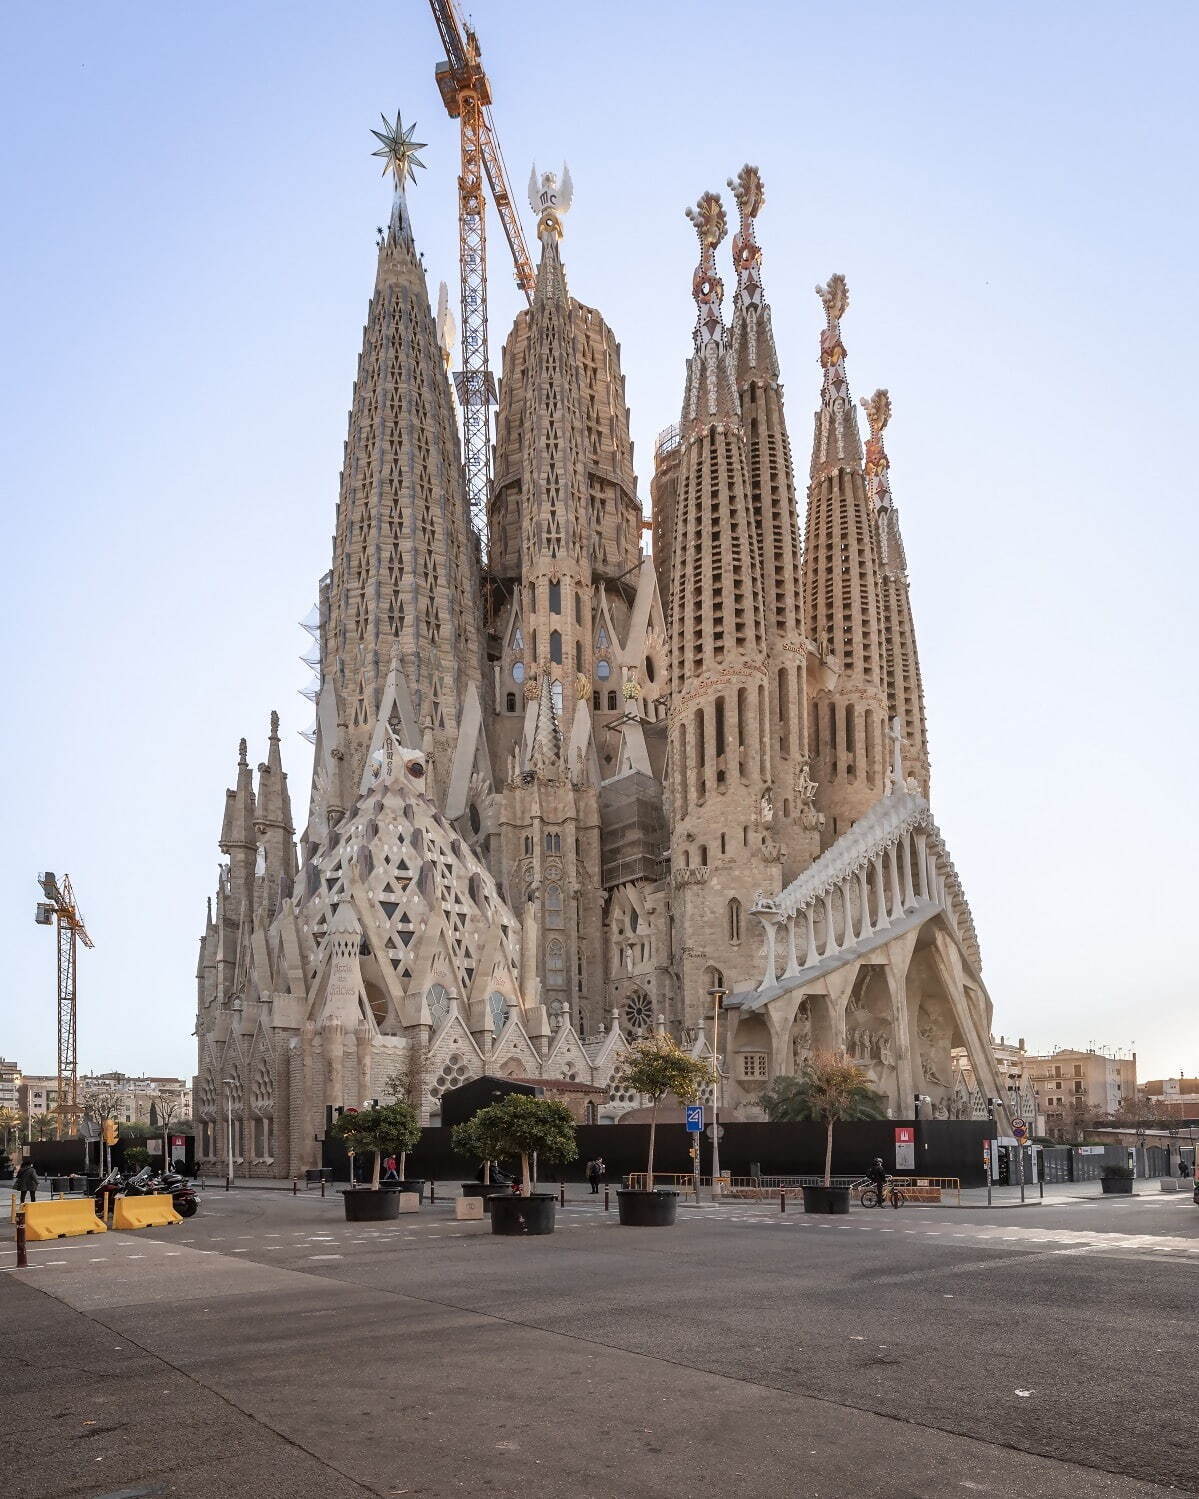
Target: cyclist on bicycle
878 1175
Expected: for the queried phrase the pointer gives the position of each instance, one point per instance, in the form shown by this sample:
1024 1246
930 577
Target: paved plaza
266 1347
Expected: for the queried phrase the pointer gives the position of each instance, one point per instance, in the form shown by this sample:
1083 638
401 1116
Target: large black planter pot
647 1209
1116 1186
485 1189
826 1199
523 1215
401 1184
366 1206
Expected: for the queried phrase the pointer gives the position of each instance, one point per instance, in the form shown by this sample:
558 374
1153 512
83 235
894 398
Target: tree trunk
828 1156
375 1170
524 1173
487 1173
403 1165
653 1125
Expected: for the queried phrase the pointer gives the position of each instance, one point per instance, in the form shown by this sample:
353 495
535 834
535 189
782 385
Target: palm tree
829 1089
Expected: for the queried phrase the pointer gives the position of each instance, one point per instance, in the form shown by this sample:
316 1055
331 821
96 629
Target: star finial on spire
398 150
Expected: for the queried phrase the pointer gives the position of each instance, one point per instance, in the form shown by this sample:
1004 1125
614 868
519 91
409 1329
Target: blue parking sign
695 1118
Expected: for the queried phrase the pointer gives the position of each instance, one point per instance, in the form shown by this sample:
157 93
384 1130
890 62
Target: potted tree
1116 1181
655 1067
520 1126
467 1142
390 1129
829 1090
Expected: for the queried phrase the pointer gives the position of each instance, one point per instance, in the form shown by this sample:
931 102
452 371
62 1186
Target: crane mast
59 909
466 92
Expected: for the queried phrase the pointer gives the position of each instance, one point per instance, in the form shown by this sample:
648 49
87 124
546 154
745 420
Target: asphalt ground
266 1347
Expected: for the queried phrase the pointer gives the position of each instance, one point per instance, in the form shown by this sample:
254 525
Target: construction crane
59 908
466 91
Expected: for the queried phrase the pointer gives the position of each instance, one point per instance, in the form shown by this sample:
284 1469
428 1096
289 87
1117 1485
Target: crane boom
466 92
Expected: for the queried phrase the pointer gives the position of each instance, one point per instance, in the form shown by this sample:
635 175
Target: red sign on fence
905 1134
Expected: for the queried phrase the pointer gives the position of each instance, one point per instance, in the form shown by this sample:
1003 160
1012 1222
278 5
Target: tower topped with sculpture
542 821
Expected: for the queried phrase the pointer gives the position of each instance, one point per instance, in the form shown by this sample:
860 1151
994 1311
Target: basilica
566 790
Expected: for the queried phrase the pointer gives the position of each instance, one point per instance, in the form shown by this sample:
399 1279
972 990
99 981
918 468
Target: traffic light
110 1132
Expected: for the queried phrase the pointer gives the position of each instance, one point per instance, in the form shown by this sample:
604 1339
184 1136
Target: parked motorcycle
145 1183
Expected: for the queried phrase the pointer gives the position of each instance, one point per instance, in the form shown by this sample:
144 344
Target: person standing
27 1181
878 1175
594 1171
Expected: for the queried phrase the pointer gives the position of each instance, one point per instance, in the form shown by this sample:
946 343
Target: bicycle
869 1197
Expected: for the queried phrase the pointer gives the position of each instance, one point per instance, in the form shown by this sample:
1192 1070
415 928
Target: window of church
649 668
603 669
556 697
510 702
555 598
553 906
634 921
734 920
517 642
578 655
556 647
703 854
555 964
611 702
518 672
595 701
553 843
578 609
528 844
754 1064
601 640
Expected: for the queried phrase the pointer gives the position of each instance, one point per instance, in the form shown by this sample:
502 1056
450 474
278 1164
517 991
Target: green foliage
829 1089
519 1125
387 1130
136 1156
657 1066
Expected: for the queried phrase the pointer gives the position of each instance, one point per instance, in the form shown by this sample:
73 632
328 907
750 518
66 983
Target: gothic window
517 643
556 647
634 921
603 669
518 672
497 1004
578 655
555 598
601 640
553 843
510 702
638 1014
578 609
734 920
713 979
553 906
555 964
439 1004
556 698
611 702
595 701
528 844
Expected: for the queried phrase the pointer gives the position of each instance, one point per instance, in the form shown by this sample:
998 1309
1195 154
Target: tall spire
837 440
545 755
905 689
776 526
403 576
239 841
720 715
273 822
842 597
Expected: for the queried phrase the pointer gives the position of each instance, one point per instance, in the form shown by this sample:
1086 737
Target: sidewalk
1057 1194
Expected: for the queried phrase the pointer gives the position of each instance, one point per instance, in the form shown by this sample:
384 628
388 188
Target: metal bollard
22 1254
295 1185
432 1193
322 1186
782 1202
605 1199
561 1194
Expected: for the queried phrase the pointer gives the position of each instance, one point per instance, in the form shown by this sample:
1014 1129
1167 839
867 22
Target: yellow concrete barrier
62 1219
154 1211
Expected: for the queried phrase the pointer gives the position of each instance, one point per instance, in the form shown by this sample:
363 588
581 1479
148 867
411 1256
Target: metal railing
914 1188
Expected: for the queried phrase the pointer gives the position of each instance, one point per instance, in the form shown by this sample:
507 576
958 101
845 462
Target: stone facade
563 794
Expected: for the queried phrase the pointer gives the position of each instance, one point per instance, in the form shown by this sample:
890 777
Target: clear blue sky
187 217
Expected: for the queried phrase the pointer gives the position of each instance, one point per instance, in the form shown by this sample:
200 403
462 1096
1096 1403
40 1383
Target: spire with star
400 154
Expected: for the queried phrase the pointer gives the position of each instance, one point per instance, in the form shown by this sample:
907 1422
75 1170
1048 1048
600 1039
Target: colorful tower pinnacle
905 689
847 735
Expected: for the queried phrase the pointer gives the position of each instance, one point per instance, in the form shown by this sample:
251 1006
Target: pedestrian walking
1183 1169
389 1168
27 1181
878 1175
595 1169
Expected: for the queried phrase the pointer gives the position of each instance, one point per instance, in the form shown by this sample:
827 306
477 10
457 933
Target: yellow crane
59 908
466 92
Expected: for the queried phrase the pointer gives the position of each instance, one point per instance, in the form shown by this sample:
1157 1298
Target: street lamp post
228 1081
717 994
